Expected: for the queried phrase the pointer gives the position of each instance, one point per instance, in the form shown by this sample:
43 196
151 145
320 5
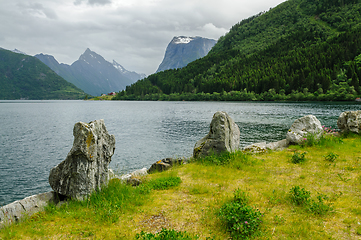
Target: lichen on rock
224 135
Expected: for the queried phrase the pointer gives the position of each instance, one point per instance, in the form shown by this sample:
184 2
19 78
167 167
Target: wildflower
246 222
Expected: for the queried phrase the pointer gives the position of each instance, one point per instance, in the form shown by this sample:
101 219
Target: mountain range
25 77
183 50
305 49
92 73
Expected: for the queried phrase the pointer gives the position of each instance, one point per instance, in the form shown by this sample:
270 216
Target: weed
165 234
302 197
298 158
343 178
358 230
319 207
242 220
164 183
331 157
299 195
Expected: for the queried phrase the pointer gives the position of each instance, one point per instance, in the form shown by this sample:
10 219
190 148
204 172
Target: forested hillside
26 77
299 50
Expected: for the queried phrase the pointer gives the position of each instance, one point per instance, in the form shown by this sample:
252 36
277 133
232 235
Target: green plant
241 219
309 140
165 234
163 183
298 158
331 157
302 197
319 207
299 195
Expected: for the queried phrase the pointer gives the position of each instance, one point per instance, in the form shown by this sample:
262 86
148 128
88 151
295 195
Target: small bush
164 183
165 234
242 220
299 196
298 158
331 157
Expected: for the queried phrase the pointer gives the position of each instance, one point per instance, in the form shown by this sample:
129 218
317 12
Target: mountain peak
183 50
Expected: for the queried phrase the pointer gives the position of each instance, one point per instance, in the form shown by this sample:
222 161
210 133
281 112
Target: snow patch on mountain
182 40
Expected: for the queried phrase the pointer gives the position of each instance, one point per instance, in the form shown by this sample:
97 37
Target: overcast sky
135 33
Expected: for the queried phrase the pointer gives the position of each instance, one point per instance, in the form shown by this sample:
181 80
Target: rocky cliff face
183 50
92 73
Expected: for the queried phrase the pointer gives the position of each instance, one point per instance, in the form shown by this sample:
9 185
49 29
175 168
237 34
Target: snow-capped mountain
131 75
183 50
92 73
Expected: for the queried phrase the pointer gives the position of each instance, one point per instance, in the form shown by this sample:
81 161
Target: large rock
350 121
223 136
302 127
85 169
16 211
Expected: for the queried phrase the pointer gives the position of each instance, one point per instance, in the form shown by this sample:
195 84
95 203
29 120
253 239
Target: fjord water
37 135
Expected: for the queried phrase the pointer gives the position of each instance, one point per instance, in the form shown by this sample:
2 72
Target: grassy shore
303 192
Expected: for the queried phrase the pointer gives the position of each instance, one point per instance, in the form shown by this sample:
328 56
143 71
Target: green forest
300 50
26 77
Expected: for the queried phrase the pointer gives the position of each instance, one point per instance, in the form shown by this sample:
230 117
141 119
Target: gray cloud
93 2
135 33
38 10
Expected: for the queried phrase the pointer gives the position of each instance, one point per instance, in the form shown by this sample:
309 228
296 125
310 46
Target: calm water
37 135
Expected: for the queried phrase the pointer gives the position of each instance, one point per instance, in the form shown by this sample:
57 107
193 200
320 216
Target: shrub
299 195
298 158
165 234
241 219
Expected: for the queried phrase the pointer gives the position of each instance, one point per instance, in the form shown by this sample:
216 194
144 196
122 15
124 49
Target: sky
135 33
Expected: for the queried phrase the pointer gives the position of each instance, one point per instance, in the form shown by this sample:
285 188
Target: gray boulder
85 169
223 135
164 164
302 127
263 146
16 211
350 121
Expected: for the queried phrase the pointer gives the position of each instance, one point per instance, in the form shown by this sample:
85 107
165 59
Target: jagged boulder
302 127
164 164
350 121
223 135
85 169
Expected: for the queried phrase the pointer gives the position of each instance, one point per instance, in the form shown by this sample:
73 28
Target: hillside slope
26 77
299 46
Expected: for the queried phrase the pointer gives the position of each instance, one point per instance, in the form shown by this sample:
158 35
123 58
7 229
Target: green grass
318 199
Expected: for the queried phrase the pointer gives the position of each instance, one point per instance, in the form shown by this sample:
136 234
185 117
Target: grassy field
303 192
